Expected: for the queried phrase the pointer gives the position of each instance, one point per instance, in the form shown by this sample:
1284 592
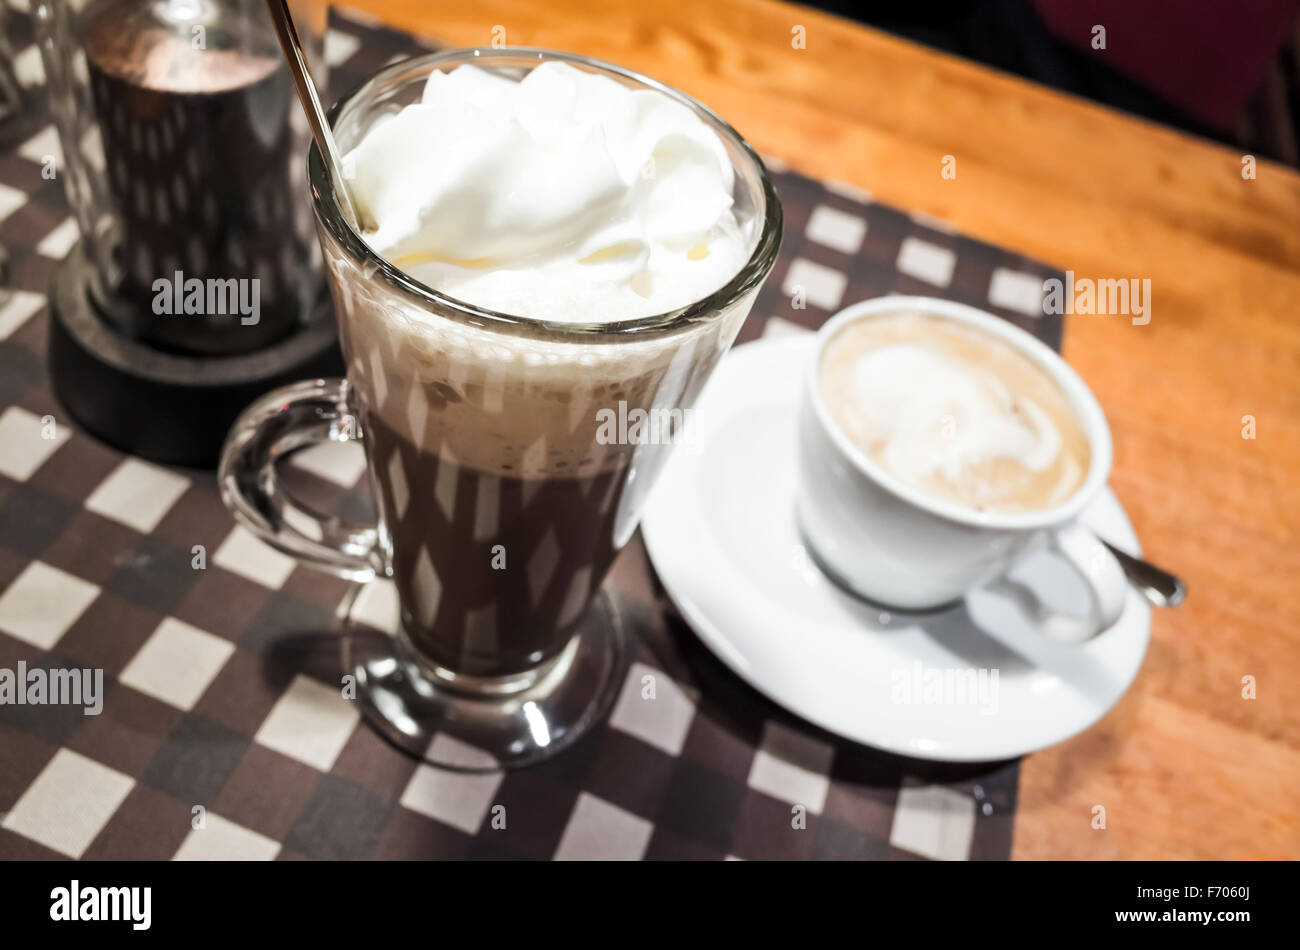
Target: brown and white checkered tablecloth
221 676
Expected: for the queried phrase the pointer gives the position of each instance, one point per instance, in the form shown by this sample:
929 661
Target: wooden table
1184 765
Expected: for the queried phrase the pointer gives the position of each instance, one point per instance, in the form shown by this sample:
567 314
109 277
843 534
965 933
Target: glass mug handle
285 419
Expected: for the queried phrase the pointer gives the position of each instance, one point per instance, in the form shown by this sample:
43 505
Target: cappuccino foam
954 412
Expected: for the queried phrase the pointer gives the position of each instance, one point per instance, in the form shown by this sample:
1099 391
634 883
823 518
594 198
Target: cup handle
1100 571
281 421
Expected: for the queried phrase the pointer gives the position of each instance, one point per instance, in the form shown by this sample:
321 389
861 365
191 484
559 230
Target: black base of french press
167 407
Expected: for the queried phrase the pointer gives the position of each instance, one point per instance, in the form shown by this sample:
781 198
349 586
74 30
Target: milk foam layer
565 196
509 405
954 412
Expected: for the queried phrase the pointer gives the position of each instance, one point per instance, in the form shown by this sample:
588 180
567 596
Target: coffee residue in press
201 158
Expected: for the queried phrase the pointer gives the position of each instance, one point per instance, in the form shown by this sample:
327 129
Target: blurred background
1228 70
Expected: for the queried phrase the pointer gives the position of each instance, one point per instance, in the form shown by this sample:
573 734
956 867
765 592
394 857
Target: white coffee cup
904 549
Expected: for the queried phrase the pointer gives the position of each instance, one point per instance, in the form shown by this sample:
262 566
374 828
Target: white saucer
721 531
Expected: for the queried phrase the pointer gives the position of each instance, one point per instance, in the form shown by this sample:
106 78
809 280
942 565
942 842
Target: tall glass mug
505 471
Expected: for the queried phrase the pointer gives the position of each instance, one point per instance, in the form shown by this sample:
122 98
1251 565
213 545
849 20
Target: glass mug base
476 725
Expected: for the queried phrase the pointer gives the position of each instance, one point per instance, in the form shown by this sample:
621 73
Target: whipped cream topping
564 196
934 414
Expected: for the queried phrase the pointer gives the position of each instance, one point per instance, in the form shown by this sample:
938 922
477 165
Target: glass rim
745 280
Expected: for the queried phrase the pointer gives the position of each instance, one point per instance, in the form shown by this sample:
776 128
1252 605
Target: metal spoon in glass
307 95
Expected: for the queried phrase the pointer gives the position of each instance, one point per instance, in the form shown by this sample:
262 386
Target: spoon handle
287 33
1161 588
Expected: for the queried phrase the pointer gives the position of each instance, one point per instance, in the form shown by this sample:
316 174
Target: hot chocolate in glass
492 315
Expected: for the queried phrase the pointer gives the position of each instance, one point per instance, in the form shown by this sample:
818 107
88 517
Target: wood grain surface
1184 765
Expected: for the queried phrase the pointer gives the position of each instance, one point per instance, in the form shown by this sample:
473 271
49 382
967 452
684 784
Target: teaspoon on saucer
1160 588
